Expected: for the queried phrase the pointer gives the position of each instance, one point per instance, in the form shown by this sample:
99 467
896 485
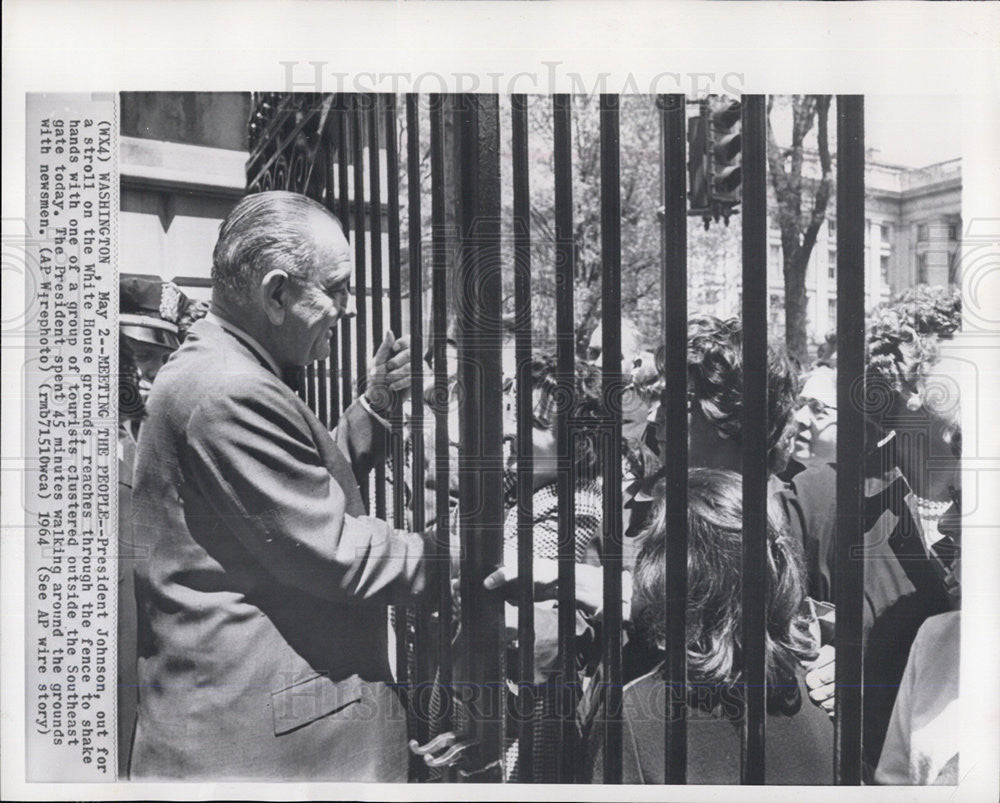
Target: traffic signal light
715 171
725 142
698 165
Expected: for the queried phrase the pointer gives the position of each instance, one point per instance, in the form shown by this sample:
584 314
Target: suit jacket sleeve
252 456
362 439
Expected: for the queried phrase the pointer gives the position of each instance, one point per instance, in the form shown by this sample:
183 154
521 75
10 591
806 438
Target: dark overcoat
900 587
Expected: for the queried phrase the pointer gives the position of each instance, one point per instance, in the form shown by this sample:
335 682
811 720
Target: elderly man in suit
262 605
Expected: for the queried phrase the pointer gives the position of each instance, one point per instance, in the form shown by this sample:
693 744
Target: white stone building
913 224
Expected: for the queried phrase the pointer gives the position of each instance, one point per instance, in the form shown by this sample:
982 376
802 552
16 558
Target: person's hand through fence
389 373
545 577
445 750
589 590
820 678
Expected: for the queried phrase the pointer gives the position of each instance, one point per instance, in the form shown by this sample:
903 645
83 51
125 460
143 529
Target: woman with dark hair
799 735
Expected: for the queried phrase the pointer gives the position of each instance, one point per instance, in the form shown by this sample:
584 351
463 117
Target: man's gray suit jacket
263 587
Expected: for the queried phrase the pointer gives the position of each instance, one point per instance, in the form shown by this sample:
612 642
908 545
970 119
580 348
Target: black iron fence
343 150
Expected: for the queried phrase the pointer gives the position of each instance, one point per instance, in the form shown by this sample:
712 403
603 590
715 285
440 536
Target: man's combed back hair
917 319
714 603
265 231
715 380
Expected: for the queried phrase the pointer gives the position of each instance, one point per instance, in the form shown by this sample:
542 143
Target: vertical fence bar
404 615
754 429
360 223
333 379
481 424
611 313
310 385
375 254
525 442
395 303
849 565
565 367
439 330
674 448
360 252
295 378
346 385
343 160
322 388
375 212
330 395
344 207
395 269
418 481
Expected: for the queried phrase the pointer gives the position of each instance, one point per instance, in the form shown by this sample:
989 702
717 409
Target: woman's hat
149 309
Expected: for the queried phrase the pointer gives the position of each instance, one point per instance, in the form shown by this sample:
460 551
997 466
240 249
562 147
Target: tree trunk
796 307
799 228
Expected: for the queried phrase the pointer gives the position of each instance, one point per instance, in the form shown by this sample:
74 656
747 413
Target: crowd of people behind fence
259 650
910 551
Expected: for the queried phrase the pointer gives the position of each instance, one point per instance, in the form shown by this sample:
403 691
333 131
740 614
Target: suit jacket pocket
311 699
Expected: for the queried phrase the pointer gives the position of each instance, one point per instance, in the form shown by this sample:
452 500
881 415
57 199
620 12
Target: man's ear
273 290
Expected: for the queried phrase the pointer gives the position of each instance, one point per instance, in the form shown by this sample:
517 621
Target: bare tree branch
822 193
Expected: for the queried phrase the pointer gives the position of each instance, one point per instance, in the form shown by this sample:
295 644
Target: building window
831 311
775 254
884 265
776 309
886 232
831 264
831 229
923 230
921 268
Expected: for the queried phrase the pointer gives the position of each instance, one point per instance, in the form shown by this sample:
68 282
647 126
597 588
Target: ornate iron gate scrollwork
290 138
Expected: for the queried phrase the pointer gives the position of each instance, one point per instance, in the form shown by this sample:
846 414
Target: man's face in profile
816 440
318 302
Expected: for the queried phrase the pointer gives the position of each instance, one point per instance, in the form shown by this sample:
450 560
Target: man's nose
804 416
350 308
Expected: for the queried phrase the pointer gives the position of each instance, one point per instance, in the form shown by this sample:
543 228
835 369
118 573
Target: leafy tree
713 256
799 226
